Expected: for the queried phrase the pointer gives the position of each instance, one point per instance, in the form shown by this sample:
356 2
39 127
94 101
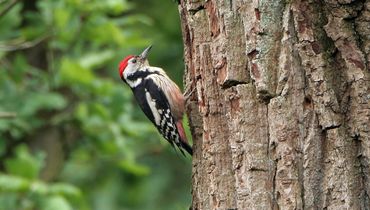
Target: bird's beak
144 54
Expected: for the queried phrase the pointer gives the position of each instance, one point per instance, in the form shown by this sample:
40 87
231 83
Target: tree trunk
279 103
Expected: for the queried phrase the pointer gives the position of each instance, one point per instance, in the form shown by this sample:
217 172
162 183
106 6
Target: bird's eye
133 61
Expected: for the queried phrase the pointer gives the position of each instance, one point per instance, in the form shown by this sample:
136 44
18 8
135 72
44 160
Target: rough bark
280 103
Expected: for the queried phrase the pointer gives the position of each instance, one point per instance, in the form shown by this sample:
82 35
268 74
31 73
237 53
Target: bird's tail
187 148
184 141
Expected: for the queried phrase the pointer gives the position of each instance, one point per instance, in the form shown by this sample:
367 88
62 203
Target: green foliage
58 74
21 189
24 165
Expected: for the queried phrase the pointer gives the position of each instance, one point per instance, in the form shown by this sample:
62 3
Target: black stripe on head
141 74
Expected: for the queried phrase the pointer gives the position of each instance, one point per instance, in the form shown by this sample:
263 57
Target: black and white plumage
158 96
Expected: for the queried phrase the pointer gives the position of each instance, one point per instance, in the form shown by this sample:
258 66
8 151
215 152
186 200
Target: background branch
7 7
7 114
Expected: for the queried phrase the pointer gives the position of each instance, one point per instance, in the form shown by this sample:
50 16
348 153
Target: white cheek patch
130 69
132 83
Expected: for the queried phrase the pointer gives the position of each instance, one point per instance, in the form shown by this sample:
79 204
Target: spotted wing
155 105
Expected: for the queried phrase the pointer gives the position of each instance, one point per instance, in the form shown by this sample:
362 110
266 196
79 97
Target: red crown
123 64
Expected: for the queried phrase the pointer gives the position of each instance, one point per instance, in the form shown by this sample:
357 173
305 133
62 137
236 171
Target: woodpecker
158 96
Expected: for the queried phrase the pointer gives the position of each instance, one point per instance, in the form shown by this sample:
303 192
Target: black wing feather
167 126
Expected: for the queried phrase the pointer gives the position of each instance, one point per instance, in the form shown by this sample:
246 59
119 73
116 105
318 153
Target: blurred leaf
46 9
134 19
61 17
9 23
45 101
101 30
24 164
73 73
65 19
12 183
34 29
82 112
39 187
8 200
108 6
56 203
134 168
93 60
65 190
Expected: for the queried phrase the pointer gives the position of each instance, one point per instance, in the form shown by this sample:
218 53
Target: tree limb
7 115
7 7
22 45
